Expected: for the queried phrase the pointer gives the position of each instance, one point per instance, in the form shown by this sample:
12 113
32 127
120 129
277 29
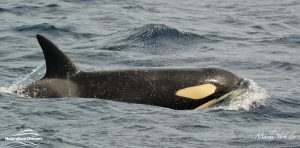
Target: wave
43 27
3 10
52 29
25 7
30 9
291 41
161 32
156 38
277 65
271 65
284 65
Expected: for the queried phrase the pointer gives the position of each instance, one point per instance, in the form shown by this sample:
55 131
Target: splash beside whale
175 88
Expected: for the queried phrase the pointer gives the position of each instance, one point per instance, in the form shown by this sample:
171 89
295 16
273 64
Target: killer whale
175 88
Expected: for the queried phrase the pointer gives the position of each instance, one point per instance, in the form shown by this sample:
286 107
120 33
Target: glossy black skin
153 86
144 86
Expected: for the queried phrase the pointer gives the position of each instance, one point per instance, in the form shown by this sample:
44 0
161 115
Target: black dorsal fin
57 63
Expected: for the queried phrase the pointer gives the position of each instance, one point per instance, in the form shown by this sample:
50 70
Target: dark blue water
257 40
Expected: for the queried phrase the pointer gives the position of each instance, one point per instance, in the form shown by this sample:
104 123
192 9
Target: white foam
246 98
36 73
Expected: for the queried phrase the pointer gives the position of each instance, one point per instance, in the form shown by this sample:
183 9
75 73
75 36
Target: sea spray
36 74
245 98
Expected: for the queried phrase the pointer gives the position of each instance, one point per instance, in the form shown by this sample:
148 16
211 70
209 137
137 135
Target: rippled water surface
257 40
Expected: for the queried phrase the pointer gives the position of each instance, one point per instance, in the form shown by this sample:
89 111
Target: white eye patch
197 92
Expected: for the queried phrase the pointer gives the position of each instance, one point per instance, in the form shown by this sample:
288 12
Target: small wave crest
30 9
156 38
287 66
36 73
245 98
3 10
291 41
52 29
42 27
160 33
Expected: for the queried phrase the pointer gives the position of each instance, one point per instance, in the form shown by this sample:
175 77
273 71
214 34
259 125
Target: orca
175 88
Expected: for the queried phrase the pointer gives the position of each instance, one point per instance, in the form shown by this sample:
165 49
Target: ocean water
257 40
